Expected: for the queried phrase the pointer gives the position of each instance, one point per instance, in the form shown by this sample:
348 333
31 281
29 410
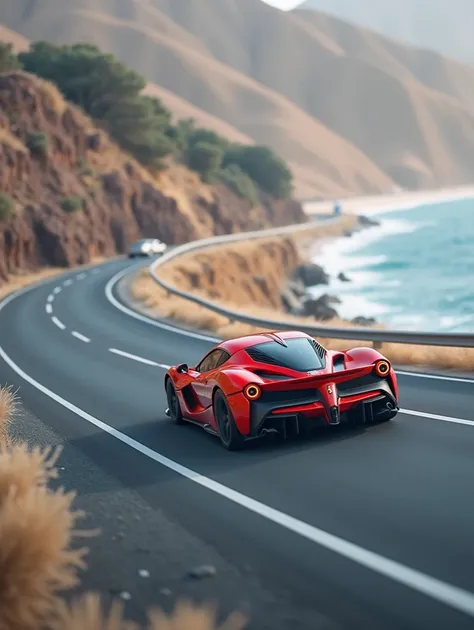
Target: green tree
206 159
207 135
8 59
86 76
262 165
240 183
109 92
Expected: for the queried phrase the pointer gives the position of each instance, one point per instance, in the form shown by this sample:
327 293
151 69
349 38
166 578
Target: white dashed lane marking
50 298
81 337
49 308
134 357
58 322
57 290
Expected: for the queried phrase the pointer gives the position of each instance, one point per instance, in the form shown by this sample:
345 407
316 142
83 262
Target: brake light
252 391
382 368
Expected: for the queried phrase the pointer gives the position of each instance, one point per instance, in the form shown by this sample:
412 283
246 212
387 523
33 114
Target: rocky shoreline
296 299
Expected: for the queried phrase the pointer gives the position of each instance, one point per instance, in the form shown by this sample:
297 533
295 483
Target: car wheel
173 404
229 435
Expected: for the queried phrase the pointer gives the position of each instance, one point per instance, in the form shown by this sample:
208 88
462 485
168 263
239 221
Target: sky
284 4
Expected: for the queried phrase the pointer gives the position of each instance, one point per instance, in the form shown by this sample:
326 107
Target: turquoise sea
415 271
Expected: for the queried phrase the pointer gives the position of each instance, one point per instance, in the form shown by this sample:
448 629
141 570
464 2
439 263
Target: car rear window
300 354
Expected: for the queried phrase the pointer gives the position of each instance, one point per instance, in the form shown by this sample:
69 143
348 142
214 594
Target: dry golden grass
37 527
224 275
9 140
38 561
8 405
87 613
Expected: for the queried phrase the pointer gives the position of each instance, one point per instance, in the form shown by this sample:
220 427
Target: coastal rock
320 308
364 321
367 221
297 287
290 302
311 275
343 278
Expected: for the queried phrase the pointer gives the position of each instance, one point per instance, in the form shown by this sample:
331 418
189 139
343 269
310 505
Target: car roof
241 343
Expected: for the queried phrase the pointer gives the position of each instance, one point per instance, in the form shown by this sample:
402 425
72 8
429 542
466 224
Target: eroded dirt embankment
253 277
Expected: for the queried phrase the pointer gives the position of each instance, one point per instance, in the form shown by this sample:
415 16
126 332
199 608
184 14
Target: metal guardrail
458 340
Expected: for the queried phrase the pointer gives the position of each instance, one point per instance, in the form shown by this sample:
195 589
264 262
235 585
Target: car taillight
252 391
382 368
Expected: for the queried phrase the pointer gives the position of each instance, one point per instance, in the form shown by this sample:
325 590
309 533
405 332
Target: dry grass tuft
186 616
87 613
8 407
37 526
9 140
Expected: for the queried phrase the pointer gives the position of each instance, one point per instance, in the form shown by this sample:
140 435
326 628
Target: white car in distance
146 247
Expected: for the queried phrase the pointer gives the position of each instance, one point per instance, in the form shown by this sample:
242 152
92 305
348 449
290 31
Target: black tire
173 404
229 435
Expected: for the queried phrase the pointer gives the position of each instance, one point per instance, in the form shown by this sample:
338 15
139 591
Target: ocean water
414 272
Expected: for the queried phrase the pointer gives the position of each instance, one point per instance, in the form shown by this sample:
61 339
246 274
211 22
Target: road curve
367 529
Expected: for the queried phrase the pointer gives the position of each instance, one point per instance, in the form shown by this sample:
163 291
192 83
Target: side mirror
182 369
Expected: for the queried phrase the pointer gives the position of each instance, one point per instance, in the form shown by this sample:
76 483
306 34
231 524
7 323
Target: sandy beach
390 202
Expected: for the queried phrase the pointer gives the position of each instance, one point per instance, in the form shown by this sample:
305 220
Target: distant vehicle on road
146 247
280 383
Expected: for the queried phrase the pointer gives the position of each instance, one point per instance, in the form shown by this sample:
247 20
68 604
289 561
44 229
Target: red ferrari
281 383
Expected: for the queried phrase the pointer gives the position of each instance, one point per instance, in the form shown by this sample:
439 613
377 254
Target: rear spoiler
317 380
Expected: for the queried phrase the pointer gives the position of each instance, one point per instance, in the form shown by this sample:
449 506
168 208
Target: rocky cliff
68 193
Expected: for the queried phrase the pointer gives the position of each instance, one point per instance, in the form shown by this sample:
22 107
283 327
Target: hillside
68 193
349 110
139 33
445 27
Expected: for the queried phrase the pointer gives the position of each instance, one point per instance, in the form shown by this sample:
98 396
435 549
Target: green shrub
261 164
7 207
37 143
72 204
240 183
205 158
8 59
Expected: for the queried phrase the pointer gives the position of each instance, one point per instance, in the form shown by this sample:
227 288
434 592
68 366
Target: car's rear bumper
362 401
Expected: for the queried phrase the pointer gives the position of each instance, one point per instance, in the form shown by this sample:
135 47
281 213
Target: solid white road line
436 377
438 590
434 416
58 323
152 322
49 308
81 337
134 357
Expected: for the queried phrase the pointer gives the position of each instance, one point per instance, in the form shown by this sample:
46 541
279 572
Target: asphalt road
366 529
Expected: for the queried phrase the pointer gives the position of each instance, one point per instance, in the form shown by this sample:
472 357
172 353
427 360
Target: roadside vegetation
42 551
112 95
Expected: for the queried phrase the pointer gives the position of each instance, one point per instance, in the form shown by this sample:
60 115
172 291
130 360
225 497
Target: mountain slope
381 96
140 34
442 26
349 110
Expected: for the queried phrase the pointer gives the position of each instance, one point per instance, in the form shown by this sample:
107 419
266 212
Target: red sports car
282 383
